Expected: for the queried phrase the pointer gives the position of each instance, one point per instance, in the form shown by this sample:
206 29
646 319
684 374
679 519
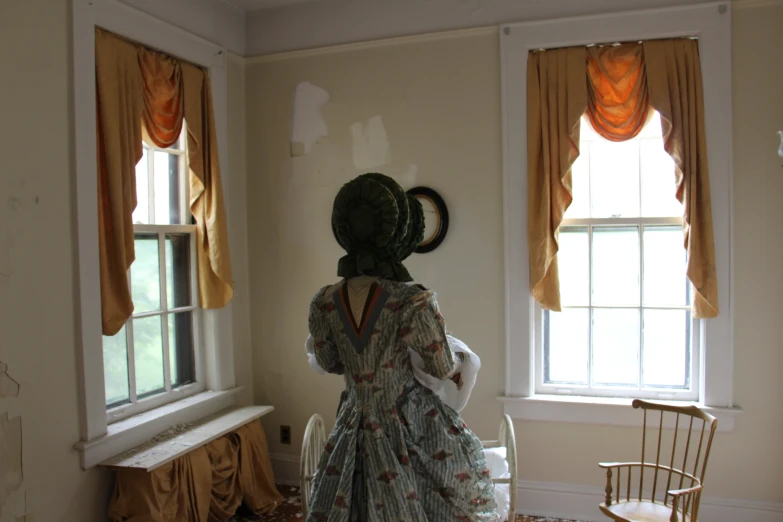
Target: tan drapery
623 84
136 85
206 485
118 104
556 99
675 85
216 285
617 104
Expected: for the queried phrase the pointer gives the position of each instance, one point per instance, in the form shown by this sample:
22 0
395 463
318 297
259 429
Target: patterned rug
291 511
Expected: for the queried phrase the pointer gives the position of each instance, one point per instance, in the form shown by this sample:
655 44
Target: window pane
653 127
115 367
145 275
580 185
166 170
616 346
567 346
178 270
141 214
616 266
614 179
666 348
658 180
148 354
181 358
573 259
665 282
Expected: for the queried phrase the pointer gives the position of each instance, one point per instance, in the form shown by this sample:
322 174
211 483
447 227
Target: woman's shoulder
325 294
406 293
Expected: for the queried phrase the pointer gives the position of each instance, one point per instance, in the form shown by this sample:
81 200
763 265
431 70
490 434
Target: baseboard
579 502
286 468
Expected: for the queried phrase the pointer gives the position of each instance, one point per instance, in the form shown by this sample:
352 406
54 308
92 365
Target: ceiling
257 5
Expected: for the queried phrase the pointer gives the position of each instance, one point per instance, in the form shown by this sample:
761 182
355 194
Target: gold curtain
216 286
675 85
119 106
135 85
207 484
556 99
621 84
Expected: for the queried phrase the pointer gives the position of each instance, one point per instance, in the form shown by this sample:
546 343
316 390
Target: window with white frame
158 350
553 358
170 348
625 328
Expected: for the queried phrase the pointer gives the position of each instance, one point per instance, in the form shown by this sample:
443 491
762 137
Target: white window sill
596 410
133 431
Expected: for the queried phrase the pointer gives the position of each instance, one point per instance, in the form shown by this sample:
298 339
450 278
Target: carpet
291 511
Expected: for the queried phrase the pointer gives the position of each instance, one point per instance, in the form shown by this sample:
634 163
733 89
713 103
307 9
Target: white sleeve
310 351
446 389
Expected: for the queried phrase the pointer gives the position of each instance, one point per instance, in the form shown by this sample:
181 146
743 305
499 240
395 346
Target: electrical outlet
285 434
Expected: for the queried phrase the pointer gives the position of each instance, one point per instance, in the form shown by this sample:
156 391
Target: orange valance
135 85
618 86
618 104
207 484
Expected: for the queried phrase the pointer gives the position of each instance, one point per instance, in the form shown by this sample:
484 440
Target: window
201 356
704 367
625 328
157 350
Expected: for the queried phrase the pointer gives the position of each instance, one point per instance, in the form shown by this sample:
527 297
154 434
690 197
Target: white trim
129 433
602 411
711 23
286 468
136 25
155 453
373 44
580 502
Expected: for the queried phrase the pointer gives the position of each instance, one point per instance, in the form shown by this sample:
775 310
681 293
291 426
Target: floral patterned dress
396 453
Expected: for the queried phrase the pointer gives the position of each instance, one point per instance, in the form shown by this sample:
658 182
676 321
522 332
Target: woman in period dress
397 452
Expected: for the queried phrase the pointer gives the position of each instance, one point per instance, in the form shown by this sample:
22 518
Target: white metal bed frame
315 440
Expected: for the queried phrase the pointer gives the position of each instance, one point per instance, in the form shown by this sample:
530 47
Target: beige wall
440 105
39 307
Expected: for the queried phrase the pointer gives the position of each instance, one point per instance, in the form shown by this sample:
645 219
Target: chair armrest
606 465
686 491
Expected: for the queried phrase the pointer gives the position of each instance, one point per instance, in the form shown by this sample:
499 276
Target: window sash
139 403
600 390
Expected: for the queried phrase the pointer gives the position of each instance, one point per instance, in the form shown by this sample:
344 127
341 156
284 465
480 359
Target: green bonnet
378 224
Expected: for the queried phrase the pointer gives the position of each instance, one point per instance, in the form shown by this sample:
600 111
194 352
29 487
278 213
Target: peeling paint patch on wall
10 455
308 124
370 144
8 386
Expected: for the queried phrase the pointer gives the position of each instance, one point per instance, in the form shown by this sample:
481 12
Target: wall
39 307
39 289
439 100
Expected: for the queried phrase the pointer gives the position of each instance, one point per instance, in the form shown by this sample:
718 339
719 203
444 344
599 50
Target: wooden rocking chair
680 503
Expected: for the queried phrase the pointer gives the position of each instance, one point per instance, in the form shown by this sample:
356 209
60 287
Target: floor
291 511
